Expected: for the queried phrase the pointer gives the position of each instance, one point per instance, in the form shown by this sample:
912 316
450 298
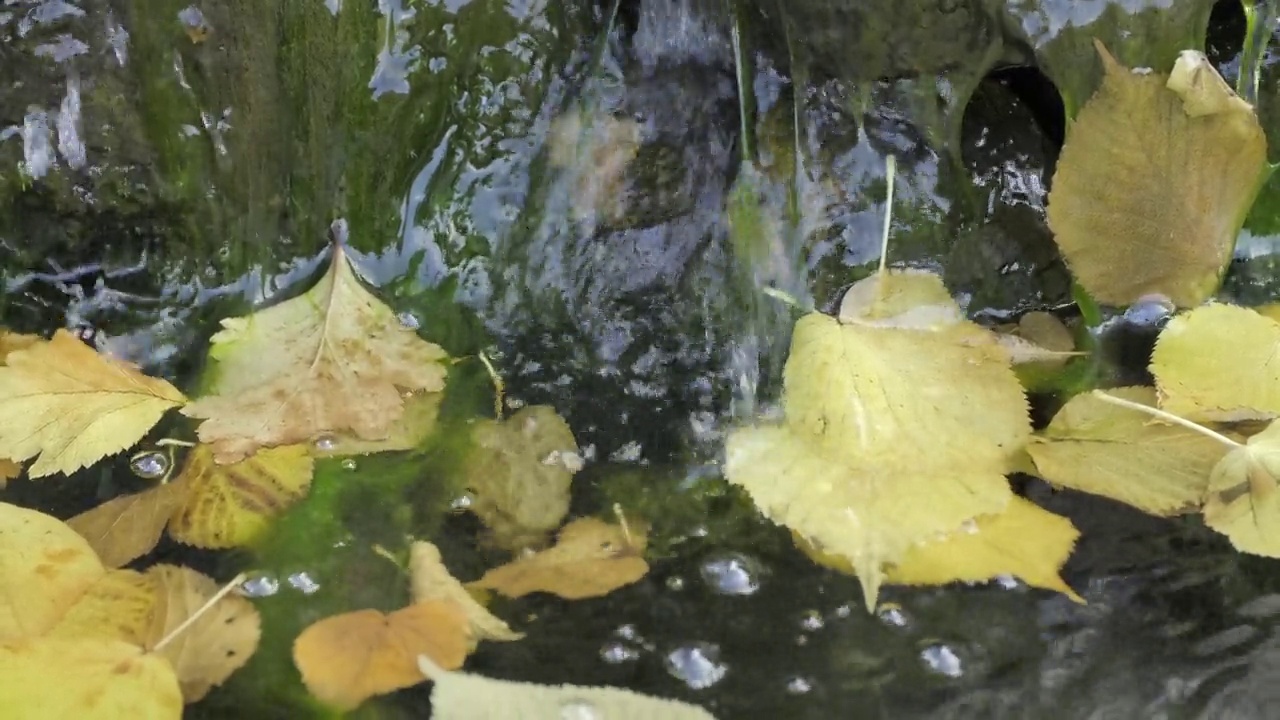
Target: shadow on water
557 183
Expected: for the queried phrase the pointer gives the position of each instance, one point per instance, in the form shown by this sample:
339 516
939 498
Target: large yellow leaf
222 506
590 558
333 361
71 406
1154 181
431 581
1098 447
11 341
85 679
119 606
124 529
216 644
1219 362
421 410
1244 504
895 431
44 569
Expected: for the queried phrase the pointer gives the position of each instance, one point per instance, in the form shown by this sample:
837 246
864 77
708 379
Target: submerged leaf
421 410
334 361
906 299
126 528
1151 188
45 567
71 406
590 558
222 506
346 659
431 581
461 696
85 679
1244 504
1097 447
1217 362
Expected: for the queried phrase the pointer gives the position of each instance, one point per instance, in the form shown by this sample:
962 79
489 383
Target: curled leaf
431 581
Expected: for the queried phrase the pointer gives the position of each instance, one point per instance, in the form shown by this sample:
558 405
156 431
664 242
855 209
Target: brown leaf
432 581
590 558
128 527
219 642
8 471
346 659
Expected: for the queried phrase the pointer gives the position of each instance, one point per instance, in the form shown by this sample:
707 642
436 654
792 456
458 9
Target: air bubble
326 443
696 665
409 321
579 710
303 583
260 586
616 653
799 686
732 574
675 583
462 502
349 464
812 621
942 660
150 466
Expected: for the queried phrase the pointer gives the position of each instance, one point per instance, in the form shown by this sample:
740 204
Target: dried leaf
519 474
421 411
432 581
1217 362
218 643
126 528
8 471
70 406
346 659
590 558
1152 185
119 606
1100 448
86 679
44 569
334 361
223 506
461 696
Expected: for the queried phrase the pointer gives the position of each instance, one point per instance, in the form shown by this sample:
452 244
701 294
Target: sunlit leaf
1244 504
334 361
1154 183
590 558
119 606
85 679
12 341
44 569
70 406
431 581
126 528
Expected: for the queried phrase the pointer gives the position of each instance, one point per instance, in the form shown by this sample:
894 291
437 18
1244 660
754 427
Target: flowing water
564 185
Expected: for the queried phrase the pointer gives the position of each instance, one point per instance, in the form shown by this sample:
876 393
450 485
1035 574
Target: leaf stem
222 592
499 388
891 171
1167 417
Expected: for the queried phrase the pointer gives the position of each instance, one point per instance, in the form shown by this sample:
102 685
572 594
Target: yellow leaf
519 473
418 422
69 405
11 341
1217 362
431 581
1100 448
590 558
126 528
892 435
1244 504
334 361
346 659
905 299
462 696
1125 235
222 506
216 644
119 606
85 679
44 569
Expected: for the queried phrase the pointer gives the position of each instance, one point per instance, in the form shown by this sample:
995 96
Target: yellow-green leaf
85 679
1244 504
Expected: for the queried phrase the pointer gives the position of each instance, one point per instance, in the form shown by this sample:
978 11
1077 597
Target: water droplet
579 710
892 614
675 583
1008 582
150 466
616 653
942 660
811 621
627 632
732 574
409 321
303 583
696 665
462 502
260 586
326 443
799 685
349 464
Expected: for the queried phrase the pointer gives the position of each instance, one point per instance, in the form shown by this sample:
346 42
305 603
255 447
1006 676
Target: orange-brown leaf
590 558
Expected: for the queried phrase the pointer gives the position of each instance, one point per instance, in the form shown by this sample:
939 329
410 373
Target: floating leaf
1217 362
882 446
421 411
222 506
119 606
461 696
12 341
44 569
519 474
216 644
346 659
431 581
126 528
1124 235
334 361
904 299
71 406
86 679
1244 504
8 471
1101 448
591 558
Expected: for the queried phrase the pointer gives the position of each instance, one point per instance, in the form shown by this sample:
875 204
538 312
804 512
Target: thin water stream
556 183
